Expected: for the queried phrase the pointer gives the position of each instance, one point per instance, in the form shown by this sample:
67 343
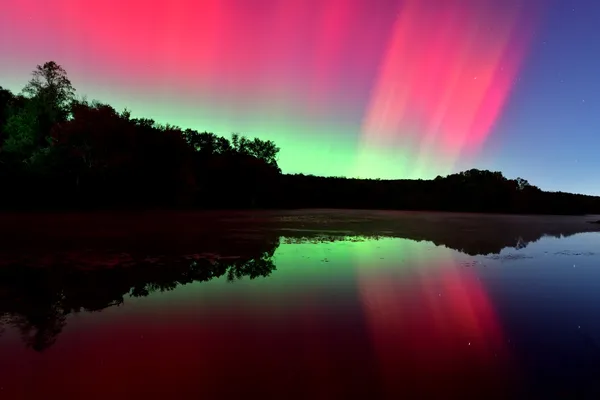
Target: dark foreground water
317 315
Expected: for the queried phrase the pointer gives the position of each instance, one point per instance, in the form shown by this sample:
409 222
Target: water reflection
37 294
36 300
300 315
433 321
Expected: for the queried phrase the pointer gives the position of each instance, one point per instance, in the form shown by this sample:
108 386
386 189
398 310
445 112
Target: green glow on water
303 265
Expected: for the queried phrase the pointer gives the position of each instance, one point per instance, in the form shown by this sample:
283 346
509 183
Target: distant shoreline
163 232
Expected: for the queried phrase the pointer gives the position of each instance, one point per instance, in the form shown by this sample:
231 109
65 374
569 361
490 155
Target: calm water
315 316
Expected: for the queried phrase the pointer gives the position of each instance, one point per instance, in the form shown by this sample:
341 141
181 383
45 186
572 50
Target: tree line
59 151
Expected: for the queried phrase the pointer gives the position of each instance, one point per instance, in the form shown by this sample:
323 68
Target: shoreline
242 232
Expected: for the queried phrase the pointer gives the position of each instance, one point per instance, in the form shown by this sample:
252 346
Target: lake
317 304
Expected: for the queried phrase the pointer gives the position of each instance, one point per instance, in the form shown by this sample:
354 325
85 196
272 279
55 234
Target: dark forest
61 152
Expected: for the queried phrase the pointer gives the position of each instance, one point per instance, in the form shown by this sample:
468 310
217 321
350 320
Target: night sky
367 88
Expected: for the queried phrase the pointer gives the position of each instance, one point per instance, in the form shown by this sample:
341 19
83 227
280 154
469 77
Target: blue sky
549 132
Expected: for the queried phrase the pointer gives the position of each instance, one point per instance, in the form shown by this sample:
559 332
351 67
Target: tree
96 140
10 105
6 98
522 183
204 143
50 83
20 130
265 150
52 96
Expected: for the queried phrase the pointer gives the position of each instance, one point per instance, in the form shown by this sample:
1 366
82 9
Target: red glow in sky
350 77
445 76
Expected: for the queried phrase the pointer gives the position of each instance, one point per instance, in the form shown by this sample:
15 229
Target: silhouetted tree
522 183
52 89
27 130
263 150
20 135
6 99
